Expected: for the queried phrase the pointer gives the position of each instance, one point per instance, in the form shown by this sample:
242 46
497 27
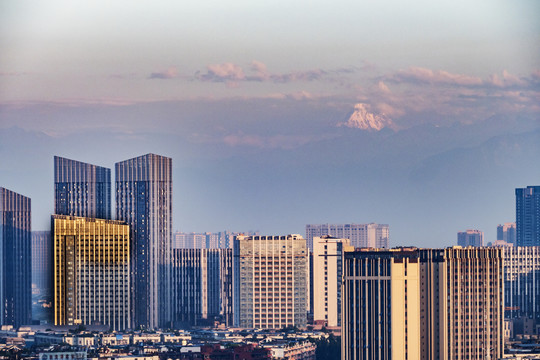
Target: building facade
360 235
144 201
507 232
270 281
528 216
474 287
42 275
410 303
470 238
219 240
81 189
522 282
327 278
42 262
201 286
91 272
381 314
15 258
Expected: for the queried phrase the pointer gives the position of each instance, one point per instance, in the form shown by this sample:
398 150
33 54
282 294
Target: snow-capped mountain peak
363 119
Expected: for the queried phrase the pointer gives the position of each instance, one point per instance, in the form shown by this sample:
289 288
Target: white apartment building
327 277
360 235
270 281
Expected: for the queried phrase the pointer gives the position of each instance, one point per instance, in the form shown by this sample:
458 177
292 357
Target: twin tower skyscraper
143 200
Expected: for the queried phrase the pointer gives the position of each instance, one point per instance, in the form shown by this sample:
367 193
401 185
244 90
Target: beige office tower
91 272
423 304
327 276
270 281
381 308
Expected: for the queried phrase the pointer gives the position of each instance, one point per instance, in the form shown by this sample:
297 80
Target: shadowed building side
144 201
15 259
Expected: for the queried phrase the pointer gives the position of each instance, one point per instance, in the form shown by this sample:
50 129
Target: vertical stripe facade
144 201
15 259
81 189
91 272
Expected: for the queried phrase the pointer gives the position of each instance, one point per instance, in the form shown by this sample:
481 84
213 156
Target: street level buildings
409 303
327 278
470 238
201 287
91 272
144 201
528 216
81 189
361 235
270 281
15 258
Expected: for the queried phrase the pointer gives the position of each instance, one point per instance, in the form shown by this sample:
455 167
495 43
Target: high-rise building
522 282
506 233
327 277
42 262
528 216
409 303
219 240
361 235
42 274
81 189
91 274
144 201
201 286
470 238
270 281
15 259
381 305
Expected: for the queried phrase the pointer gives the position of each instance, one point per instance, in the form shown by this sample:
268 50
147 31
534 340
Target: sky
261 106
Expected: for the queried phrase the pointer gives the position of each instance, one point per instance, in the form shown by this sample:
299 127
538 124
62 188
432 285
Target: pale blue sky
242 92
66 49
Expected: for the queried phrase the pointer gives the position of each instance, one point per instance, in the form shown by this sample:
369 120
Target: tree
328 348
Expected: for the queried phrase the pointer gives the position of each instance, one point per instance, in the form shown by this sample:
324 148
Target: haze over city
424 116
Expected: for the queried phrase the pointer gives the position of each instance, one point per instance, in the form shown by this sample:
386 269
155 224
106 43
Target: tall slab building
409 303
201 287
15 259
91 272
81 189
42 274
270 281
528 216
522 282
327 277
144 201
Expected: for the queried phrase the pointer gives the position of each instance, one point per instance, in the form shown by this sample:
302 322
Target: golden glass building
91 272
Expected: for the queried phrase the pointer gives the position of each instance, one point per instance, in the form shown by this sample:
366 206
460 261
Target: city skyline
388 113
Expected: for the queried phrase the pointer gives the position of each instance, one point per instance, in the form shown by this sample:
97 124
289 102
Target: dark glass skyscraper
15 258
144 201
81 189
528 216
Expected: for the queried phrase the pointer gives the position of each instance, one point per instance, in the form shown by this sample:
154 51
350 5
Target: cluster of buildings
133 272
